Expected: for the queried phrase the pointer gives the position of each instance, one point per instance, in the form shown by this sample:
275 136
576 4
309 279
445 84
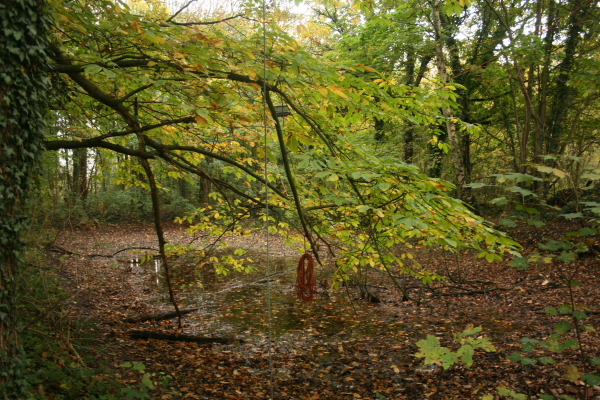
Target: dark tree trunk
22 105
564 93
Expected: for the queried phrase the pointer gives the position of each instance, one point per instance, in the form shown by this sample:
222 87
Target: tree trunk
460 170
80 174
564 93
22 105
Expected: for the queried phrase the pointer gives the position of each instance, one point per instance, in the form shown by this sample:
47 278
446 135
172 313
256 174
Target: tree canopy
181 96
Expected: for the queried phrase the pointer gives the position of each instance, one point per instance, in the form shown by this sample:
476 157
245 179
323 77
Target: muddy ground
343 345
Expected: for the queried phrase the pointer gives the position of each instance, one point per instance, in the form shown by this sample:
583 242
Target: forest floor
338 346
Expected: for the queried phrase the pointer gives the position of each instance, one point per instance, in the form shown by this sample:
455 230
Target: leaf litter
337 347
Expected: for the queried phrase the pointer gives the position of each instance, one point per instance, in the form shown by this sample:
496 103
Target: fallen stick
180 338
258 282
468 292
122 250
159 316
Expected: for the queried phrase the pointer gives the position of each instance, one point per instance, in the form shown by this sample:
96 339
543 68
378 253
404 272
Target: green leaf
578 315
565 309
563 327
548 170
566 345
93 69
535 222
508 222
466 353
572 215
551 310
591 177
521 191
499 201
528 347
555 245
515 356
384 186
147 382
547 361
587 231
503 391
591 379
521 263
528 361
476 185
567 256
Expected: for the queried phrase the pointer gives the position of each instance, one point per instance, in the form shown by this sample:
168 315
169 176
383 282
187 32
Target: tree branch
202 23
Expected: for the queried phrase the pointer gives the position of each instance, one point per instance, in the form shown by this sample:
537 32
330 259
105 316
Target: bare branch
206 22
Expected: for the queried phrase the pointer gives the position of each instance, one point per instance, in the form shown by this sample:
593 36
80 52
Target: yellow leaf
137 26
572 373
201 119
323 91
369 69
339 91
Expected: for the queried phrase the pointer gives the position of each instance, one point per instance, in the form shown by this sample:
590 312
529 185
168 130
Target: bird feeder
282 111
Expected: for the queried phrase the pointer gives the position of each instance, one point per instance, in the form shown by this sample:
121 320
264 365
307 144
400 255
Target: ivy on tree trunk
23 84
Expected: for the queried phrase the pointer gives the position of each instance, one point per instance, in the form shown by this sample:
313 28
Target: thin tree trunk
158 225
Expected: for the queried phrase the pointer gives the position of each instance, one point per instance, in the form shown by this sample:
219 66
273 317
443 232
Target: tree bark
462 180
23 91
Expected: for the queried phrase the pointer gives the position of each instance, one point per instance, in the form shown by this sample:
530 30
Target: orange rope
305 282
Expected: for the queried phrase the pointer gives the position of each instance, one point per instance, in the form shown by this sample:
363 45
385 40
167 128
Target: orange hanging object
305 281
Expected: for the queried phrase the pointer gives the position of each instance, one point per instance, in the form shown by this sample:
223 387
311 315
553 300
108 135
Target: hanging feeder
282 111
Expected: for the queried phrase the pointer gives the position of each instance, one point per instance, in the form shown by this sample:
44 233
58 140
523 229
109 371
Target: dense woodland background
364 130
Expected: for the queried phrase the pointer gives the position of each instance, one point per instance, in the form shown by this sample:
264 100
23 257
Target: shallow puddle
245 304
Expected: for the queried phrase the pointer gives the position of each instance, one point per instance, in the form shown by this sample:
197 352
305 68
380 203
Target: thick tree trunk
22 105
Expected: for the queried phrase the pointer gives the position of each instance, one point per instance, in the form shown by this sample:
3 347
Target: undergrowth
59 357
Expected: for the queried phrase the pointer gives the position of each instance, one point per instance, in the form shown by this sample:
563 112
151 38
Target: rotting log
181 338
159 316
